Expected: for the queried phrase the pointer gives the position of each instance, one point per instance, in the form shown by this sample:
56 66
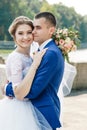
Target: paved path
75 111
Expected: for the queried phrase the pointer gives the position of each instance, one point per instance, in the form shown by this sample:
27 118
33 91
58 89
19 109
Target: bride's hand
37 57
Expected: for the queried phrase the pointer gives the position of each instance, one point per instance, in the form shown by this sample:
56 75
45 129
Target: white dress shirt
44 44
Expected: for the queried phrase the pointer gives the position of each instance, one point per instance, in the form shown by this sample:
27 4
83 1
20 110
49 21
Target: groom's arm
50 63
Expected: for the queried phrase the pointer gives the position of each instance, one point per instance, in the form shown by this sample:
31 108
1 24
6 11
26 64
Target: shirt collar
44 44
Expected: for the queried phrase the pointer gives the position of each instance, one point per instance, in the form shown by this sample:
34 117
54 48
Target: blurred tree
65 16
83 29
68 16
8 11
4 19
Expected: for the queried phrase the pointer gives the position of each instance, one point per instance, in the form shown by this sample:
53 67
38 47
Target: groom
43 93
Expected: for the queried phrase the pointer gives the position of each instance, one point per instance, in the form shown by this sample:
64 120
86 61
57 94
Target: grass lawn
5 51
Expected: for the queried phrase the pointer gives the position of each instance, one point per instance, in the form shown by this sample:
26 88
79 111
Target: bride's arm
23 88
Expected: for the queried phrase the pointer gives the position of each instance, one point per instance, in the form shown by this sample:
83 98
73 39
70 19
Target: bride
19 113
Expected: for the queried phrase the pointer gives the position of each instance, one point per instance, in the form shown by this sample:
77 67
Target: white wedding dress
16 114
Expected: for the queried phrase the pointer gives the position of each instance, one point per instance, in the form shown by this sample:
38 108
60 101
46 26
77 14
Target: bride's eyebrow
37 26
30 30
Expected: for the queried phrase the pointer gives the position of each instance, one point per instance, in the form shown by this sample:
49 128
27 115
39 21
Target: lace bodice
17 66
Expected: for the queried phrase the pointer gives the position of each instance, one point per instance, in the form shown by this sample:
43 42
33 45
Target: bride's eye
29 32
20 33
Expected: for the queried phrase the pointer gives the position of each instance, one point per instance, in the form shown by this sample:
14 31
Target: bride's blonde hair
18 21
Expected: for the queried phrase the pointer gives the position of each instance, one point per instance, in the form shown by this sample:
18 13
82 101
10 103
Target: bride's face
23 36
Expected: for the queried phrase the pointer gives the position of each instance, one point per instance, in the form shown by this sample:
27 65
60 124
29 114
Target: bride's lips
26 42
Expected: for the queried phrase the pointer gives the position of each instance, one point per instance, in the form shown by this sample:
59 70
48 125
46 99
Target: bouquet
67 40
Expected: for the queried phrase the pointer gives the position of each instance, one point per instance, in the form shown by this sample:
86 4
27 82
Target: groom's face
42 31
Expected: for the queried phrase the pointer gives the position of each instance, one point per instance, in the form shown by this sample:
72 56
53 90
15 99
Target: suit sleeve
9 90
44 74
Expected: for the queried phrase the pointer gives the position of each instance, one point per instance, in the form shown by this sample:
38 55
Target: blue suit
43 93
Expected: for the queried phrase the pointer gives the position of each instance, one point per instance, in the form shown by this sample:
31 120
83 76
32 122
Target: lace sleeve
14 67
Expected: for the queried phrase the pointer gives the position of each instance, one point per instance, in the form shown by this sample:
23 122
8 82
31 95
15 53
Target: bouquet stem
66 57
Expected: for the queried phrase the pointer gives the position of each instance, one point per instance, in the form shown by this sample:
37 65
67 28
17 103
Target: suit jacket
44 89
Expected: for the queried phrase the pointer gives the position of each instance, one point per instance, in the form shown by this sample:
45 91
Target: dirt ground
75 111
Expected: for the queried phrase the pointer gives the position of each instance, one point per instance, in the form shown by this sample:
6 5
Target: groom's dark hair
48 16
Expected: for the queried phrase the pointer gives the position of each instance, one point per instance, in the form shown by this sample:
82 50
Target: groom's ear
52 30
